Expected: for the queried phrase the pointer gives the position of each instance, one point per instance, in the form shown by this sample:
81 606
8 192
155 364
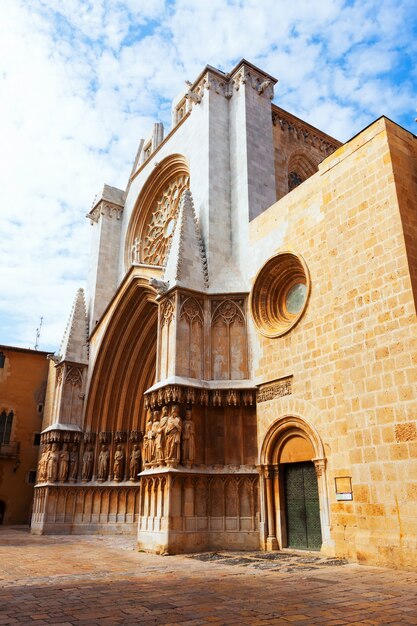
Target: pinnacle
187 262
74 346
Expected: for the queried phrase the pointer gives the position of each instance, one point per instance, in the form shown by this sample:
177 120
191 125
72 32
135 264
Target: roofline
228 75
30 350
301 121
385 117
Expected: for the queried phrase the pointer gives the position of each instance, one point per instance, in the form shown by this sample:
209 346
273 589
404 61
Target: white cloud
82 80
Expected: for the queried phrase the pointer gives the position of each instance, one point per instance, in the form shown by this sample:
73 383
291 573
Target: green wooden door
302 506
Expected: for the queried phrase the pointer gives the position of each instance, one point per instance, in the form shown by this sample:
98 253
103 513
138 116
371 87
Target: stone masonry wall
353 353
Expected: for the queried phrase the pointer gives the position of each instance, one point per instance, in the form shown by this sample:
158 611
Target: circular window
280 293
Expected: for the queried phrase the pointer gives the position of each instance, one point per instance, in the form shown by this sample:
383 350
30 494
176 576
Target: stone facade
242 374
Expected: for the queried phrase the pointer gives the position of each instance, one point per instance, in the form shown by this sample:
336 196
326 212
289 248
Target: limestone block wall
353 353
403 149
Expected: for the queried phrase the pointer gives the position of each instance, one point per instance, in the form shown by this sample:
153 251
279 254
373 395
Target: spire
186 262
74 346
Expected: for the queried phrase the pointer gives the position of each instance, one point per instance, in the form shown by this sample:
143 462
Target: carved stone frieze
274 390
202 397
105 208
104 437
304 132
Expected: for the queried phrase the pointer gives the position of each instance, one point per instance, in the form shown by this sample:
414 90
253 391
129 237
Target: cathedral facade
242 373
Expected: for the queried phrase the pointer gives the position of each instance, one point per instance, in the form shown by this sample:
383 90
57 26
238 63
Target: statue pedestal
189 510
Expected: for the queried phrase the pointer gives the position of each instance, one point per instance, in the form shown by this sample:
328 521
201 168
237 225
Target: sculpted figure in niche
52 463
73 468
147 440
119 463
155 426
64 458
134 466
188 440
43 463
160 437
173 438
88 460
103 463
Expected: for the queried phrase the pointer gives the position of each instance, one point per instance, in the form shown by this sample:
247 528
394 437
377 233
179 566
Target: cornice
304 131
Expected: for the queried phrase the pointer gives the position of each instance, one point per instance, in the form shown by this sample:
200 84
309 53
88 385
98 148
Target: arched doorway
295 503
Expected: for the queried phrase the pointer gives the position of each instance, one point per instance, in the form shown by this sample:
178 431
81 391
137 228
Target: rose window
161 222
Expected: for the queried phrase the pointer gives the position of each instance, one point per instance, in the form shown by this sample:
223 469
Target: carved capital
269 472
319 466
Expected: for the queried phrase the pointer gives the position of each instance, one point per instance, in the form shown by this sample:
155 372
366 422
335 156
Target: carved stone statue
147 440
52 463
136 251
43 463
153 433
134 465
173 438
64 458
188 440
88 460
119 463
160 437
73 468
103 463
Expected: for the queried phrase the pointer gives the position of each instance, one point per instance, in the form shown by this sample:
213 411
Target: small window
32 477
40 408
294 179
2 359
37 439
6 420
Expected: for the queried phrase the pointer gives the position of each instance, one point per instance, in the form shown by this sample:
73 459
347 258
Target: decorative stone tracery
161 222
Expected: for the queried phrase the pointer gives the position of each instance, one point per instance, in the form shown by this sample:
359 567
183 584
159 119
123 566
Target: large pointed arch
126 363
172 168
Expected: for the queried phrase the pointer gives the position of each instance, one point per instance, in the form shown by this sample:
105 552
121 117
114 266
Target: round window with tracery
161 221
280 294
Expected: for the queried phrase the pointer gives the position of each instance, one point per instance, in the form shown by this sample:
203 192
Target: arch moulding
280 431
171 168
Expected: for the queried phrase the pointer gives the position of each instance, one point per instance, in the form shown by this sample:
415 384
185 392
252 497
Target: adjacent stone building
242 373
23 376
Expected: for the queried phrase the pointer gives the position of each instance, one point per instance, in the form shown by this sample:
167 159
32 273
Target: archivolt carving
151 225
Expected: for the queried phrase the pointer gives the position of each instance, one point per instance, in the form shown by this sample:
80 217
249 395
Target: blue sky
82 81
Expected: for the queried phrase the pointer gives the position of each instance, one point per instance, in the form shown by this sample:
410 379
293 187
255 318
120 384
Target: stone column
271 541
328 543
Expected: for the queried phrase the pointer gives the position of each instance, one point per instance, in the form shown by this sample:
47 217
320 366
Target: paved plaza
99 580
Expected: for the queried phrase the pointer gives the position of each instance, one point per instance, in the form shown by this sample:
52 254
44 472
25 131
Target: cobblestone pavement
102 580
